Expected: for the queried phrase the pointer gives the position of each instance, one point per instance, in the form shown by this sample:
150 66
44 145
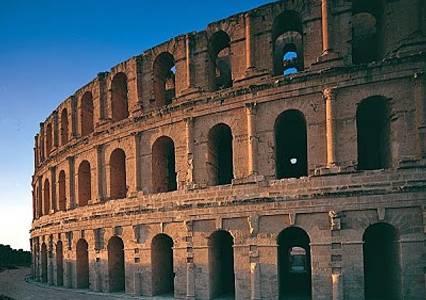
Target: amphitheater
278 154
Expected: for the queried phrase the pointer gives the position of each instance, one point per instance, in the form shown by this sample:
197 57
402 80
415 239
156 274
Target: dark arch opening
82 256
294 264
163 165
64 127
164 79
221 264
287 36
291 153
59 264
87 122
220 60
62 190
372 120
367 31
381 262
43 263
116 267
117 165
162 265
220 156
84 183
119 97
46 196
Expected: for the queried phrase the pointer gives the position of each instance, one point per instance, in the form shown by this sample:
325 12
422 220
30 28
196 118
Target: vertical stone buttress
189 124
188 60
420 99
71 167
100 160
53 206
252 141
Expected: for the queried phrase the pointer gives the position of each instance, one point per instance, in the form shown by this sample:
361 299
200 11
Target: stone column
188 60
329 97
252 139
74 117
326 27
189 124
71 167
100 160
248 44
138 160
53 206
255 281
420 99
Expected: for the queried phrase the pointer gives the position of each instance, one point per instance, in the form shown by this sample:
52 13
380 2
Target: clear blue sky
50 48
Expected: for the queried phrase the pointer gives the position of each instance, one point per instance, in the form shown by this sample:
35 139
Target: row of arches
287 33
380 257
291 155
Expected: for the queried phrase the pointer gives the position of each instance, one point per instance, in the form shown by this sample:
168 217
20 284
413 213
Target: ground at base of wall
15 284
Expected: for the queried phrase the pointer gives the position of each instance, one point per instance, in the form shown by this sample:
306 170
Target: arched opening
82 264
59 264
367 33
49 139
220 157
46 196
84 183
117 173
164 79
381 262
220 60
287 43
62 191
43 263
64 127
119 97
116 269
291 153
162 265
294 264
372 121
221 265
87 122
163 165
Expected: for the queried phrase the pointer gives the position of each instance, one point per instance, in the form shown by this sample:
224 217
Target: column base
328 60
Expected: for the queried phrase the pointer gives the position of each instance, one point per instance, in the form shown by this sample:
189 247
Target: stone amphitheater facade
278 154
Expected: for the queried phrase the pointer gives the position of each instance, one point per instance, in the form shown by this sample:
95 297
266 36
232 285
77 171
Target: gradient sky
49 49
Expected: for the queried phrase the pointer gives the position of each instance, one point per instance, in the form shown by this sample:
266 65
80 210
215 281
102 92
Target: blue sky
50 48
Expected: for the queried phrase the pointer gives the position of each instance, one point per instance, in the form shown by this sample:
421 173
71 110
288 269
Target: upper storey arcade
277 39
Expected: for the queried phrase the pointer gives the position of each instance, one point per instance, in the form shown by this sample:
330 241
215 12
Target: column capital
251 107
329 93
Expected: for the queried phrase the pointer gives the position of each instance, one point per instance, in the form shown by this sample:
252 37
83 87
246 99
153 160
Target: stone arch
86 114
84 183
291 149
221 264
381 262
220 155
59 264
373 133
367 31
119 97
116 265
164 70
162 265
220 60
46 196
117 163
62 190
163 165
44 263
82 262
287 43
64 127
294 264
